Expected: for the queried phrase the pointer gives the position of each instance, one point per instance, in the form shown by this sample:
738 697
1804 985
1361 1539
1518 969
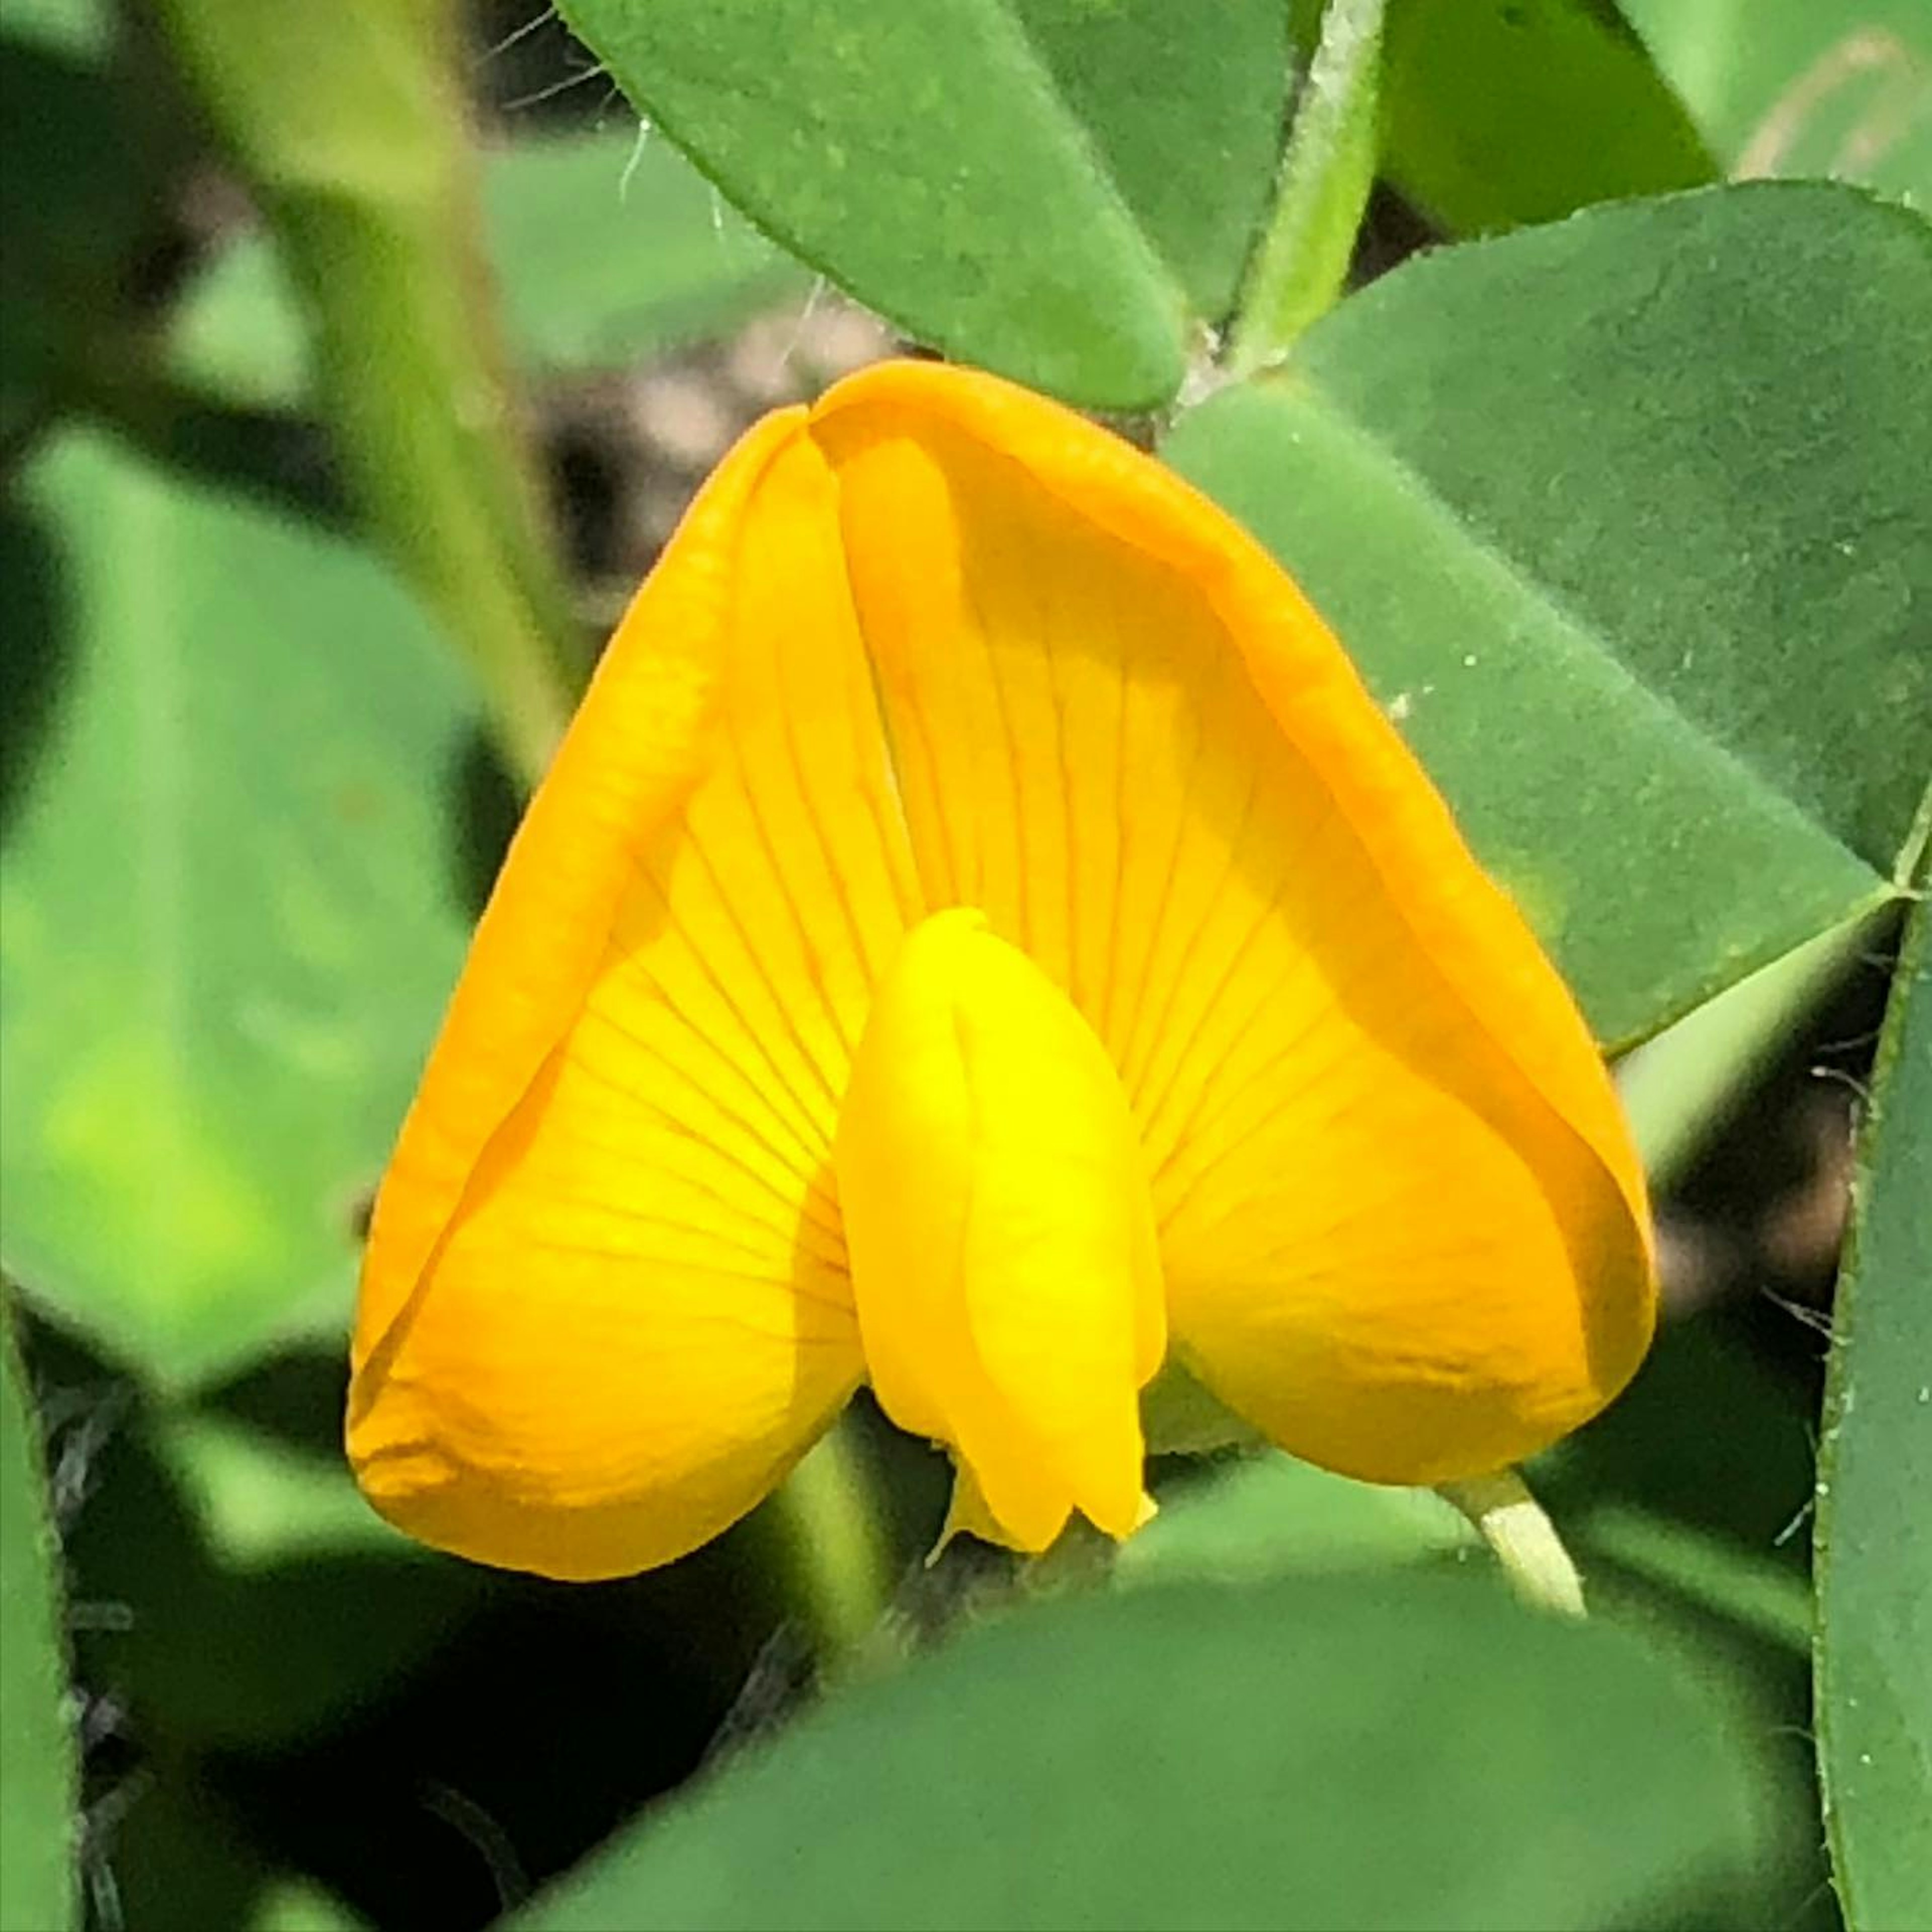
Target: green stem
832 1549
1301 265
1512 1522
354 140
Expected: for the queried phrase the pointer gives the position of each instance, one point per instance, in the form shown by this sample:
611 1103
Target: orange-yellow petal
1401 1223
605 1303
1002 1241
941 643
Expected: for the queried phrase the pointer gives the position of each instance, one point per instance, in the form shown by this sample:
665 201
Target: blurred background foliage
351 375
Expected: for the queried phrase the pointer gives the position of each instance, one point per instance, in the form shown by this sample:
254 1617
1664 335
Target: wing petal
606 1303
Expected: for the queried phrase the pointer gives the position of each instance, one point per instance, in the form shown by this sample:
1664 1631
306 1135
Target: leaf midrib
1083 140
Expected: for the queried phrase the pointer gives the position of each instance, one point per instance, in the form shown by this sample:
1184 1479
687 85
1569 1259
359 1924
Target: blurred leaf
230 910
1874 1538
1045 186
33 648
607 253
269 455
1712 1437
1497 113
256 1502
40 1820
295 1905
1749 1591
1805 87
179 1860
604 254
238 335
1625 520
82 29
1271 1516
1333 1752
198 1525
73 210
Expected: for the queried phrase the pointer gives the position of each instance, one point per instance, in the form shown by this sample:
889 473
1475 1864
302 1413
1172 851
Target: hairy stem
1301 265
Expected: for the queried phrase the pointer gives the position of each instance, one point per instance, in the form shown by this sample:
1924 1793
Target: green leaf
1497 113
1330 1752
1625 520
605 253
1184 108
1046 187
1805 87
1271 1516
1874 1550
40 1821
230 904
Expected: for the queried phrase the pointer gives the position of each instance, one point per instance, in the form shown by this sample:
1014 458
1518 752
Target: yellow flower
979 937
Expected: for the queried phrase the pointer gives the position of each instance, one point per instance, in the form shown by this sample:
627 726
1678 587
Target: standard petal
1004 1257
1403 1228
605 1302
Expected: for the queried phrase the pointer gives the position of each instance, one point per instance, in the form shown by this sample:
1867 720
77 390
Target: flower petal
605 1303
1002 1247
1402 1228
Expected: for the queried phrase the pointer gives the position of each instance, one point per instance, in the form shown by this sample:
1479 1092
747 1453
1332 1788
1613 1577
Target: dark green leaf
1330 1752
1044 187
1875 1474
1710 1438
1625 521
605 254
1501 112
1184 108
73 212
39 1822
231 905
198 1524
